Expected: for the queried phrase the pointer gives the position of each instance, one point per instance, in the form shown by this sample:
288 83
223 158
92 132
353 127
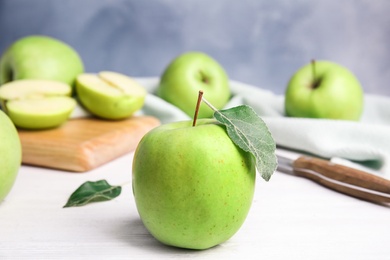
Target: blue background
260 42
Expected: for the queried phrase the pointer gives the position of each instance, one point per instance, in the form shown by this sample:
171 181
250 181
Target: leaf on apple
249 132
93 192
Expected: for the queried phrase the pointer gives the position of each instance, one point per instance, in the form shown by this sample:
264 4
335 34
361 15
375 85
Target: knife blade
347 180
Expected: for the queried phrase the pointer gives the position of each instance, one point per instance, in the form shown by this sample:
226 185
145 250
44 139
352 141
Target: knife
344 179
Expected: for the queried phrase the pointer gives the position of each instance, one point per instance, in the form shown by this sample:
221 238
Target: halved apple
37 104
110 95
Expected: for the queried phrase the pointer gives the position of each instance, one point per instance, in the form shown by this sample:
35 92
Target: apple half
37 104
110 95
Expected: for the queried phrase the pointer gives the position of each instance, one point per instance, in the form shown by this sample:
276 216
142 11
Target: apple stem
200 95
313 71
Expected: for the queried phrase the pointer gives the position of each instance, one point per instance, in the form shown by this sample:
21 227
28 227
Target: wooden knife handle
313 168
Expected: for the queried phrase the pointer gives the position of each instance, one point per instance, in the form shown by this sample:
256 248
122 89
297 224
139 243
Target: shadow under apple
134 233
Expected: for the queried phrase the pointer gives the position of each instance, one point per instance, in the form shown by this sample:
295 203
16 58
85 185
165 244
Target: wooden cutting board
85 143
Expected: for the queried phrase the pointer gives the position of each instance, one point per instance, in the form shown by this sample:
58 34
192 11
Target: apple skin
40 57
57 112
186 75
338 94
193 186
10 155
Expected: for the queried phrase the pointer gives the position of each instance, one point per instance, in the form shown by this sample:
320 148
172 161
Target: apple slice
110 95
37 104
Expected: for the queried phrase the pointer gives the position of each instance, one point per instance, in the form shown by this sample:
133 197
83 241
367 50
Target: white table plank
291 218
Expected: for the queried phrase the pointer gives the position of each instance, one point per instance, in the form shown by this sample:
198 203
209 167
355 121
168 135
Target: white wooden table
291 218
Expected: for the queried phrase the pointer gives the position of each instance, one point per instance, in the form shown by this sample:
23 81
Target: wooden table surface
290 218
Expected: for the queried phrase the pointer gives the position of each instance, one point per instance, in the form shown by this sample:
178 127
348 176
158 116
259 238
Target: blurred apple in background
193 186
36 103
323 89
110 95
40 57
10 155
189 73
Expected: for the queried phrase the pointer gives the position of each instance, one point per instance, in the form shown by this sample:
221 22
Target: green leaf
93 192
249 132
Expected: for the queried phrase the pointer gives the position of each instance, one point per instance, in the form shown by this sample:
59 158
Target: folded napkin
366 142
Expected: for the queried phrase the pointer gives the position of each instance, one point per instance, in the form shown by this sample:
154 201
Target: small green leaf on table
93 192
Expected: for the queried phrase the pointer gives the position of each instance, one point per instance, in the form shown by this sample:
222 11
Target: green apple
110 95
40 57
323 89
10 155
37 104
193 187
189 73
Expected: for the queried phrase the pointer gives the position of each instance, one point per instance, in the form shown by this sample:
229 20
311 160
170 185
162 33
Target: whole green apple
10 155
110 95
189 73
37 103
40 57
193 186
323 89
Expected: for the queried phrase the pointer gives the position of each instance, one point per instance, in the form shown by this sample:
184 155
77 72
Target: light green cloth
367 141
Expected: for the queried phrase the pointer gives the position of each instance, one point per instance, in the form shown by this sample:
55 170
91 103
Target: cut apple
110 95
37 104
